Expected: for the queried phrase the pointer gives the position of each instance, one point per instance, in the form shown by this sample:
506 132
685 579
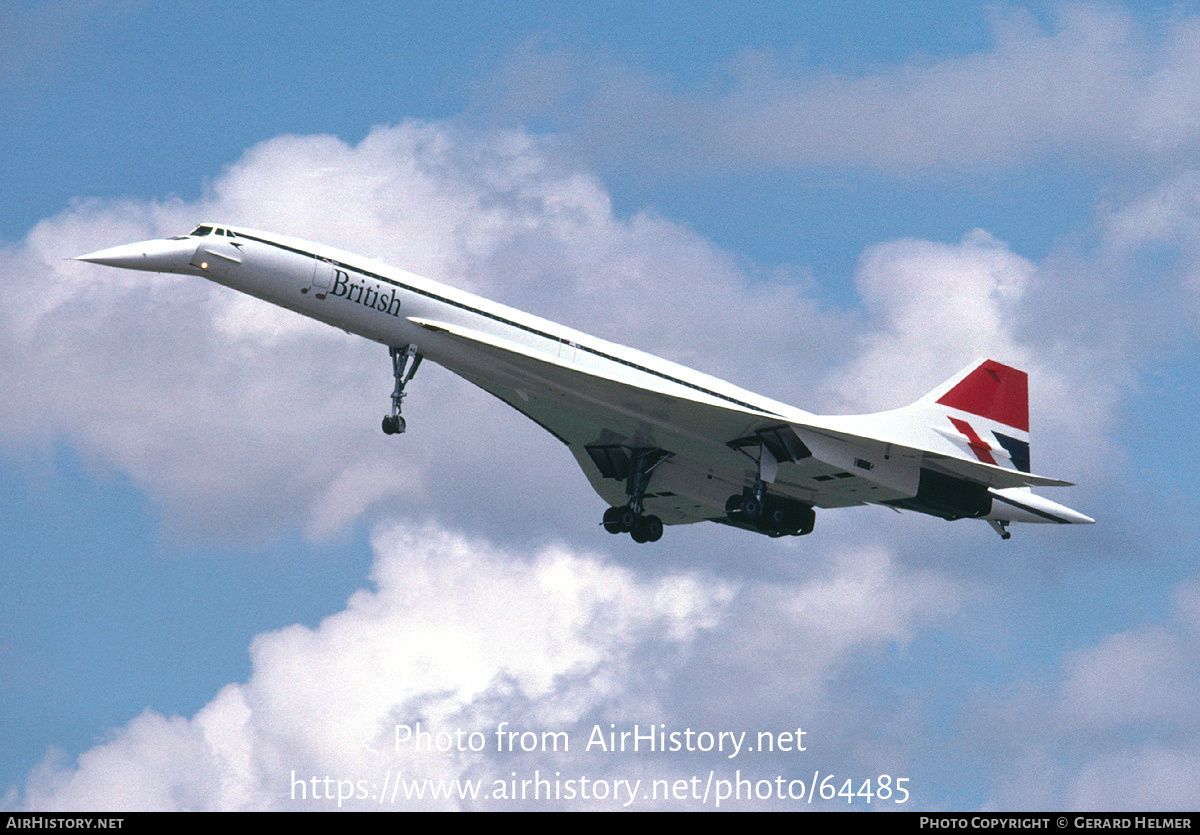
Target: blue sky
218 572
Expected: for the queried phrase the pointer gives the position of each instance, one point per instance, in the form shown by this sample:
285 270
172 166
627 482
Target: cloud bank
459 639
1090 85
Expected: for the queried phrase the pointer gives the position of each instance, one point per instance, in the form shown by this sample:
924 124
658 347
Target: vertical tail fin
992 402
988 390
984 411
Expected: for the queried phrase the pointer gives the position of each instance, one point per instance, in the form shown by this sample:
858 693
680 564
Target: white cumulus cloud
459 634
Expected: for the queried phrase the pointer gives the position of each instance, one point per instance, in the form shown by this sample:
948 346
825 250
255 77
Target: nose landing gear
405 361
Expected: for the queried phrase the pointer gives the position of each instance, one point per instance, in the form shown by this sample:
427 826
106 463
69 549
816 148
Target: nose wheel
405 362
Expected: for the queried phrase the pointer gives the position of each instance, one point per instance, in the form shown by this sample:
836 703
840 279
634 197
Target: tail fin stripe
977 444
1017 450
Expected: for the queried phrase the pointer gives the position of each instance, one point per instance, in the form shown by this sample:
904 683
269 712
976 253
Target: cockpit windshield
205 231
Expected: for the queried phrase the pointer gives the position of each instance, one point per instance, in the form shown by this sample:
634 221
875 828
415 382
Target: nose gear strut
403 371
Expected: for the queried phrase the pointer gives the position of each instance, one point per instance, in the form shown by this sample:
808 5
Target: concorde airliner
660 443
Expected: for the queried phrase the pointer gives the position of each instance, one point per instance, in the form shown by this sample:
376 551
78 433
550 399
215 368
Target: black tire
628 519
612 520
751 509
647 529
775 518
652 527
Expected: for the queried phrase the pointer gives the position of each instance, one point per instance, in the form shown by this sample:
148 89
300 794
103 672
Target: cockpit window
205 231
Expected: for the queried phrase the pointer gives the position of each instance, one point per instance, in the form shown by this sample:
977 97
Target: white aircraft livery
661 443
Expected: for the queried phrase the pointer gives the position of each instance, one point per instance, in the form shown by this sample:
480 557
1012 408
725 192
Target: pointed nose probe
161 256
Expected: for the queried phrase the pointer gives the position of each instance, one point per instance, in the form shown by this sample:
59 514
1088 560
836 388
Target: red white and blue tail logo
992 405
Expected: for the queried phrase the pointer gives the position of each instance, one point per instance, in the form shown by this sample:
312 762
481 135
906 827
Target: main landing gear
405 362
629 518
773 515
643 528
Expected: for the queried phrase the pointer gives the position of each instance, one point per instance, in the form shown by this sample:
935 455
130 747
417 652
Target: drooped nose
160 256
